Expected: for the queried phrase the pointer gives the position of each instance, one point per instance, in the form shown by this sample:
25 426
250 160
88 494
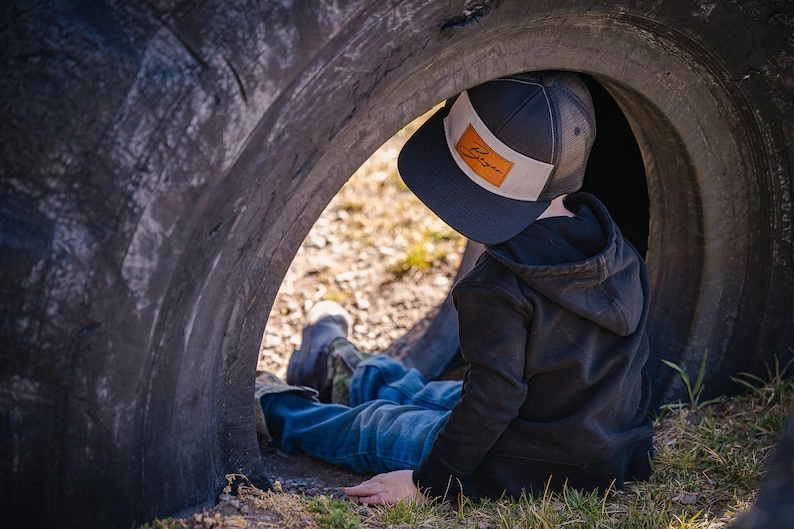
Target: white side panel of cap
522 177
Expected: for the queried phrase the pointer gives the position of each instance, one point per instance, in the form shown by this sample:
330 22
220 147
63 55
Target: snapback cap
492 159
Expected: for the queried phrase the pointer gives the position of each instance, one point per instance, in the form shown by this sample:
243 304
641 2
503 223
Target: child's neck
557 209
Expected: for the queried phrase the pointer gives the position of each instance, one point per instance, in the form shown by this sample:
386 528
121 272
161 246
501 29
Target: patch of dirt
300 474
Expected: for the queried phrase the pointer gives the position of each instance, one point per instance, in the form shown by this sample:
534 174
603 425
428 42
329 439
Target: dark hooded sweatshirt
552 326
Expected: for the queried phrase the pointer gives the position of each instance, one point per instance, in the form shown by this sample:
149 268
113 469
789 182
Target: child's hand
391 487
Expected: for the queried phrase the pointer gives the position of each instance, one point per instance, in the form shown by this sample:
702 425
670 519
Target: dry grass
708 463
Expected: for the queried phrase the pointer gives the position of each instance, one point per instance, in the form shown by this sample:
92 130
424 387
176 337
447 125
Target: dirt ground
300 473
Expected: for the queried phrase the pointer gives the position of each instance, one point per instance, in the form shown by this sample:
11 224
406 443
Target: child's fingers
366 488
376 499
370 498
390 487
358 490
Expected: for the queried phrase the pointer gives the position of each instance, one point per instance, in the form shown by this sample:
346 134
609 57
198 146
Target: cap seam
551 114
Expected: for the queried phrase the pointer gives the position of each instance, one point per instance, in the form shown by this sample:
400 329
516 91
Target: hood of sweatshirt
591 264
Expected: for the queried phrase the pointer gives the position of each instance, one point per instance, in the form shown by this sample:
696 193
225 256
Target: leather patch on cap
482 160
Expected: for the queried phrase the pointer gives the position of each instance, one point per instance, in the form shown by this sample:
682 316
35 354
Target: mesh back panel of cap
576 133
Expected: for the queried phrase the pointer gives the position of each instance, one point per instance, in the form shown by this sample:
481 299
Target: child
551 322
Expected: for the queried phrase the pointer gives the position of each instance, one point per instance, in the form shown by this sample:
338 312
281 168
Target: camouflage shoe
343 358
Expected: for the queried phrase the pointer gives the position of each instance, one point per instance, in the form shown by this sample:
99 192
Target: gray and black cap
492 160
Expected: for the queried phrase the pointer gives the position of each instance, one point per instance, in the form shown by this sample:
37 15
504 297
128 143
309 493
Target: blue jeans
392 421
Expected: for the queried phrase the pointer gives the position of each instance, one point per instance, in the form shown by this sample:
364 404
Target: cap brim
428 169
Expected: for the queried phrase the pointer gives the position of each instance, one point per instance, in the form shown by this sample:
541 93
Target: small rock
686 498
316 241
365 511
362 303
440 281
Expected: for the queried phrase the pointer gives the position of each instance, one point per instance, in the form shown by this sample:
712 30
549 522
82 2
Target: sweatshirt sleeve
493 330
